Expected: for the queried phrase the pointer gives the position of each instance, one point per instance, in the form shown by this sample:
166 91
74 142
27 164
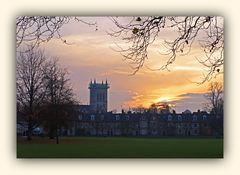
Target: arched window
92 117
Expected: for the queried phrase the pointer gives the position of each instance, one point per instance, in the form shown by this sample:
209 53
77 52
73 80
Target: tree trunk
57 136
29 133
29 137
51 133
57 139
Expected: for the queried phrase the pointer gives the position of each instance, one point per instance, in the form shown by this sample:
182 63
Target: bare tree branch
141 32
34 30
215 97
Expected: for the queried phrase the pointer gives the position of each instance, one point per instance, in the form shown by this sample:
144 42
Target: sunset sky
91 55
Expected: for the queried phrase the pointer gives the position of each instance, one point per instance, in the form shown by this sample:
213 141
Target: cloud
91 56
191 101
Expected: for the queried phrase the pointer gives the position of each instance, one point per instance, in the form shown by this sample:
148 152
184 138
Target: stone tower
98 96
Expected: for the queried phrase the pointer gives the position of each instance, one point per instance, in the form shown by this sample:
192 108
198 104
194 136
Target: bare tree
30 86
59 106
215 97
141 32
35 30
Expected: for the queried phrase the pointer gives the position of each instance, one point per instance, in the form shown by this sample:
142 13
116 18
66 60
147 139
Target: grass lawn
120 147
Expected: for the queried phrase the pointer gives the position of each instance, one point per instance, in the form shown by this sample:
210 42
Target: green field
120 147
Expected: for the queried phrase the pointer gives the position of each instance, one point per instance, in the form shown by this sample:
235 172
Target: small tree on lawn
59 107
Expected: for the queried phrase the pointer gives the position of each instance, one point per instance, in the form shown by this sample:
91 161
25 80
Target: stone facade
99 96
141 124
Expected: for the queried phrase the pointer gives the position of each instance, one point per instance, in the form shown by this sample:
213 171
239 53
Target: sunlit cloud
91 55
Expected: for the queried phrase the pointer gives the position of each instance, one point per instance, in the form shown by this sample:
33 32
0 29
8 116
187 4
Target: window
179 125
194 125
204 117
194 118
102 117
80 117
169 117
179 117
160 125
97 97
117 117
103 99
100 97
92 117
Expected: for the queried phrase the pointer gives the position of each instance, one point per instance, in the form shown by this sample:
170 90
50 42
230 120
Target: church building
99 96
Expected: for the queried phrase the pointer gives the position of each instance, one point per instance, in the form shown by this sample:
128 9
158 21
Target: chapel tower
98 96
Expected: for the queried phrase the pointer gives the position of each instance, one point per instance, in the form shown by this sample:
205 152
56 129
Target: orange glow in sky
91 55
